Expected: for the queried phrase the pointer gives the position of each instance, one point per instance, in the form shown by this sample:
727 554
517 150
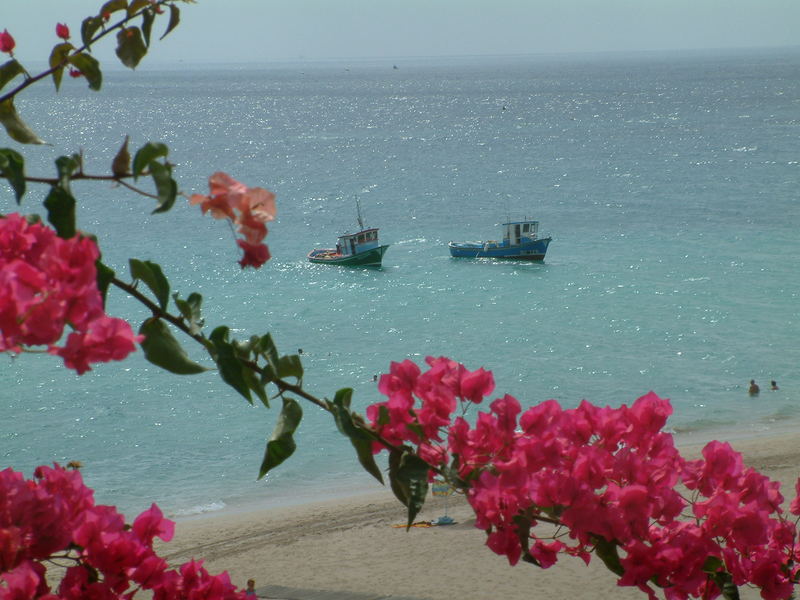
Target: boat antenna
358 211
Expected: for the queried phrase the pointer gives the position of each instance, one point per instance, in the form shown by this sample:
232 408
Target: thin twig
31 80
83 176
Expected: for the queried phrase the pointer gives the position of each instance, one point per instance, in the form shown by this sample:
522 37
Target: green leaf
245 347
174 19
136 6
148 18
130 46
66 166
713 564
729 589
253 381
60 207
723 579
229 364
153 277
60 202
408 475
9 70
290 366
58 58
166 187
88 65
417 429
163 350
146 154
121 165
89 27
342 400
360 439
523 526
383 415
12 167
190 311
16 127
266 348
113 6
104 276
282 445
366 458
607 552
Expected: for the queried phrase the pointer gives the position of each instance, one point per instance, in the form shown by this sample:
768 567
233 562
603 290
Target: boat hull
368 258
532 250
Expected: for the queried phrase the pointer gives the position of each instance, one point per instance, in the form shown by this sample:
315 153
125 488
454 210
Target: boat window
526 228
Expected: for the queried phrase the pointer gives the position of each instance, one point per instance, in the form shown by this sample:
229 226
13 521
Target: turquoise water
669 184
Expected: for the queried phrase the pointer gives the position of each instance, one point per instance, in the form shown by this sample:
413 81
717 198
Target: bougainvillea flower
606 477
151 524
52 522
249 209
254 255
104 340
48 286
62 31
7 42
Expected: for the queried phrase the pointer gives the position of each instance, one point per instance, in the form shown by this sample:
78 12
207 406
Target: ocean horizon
668 182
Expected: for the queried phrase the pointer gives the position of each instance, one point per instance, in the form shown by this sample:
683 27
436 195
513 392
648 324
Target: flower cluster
48 283
54 515
550 481
441 389
247 208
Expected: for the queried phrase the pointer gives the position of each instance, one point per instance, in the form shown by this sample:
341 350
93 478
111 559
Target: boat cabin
518 232
351 244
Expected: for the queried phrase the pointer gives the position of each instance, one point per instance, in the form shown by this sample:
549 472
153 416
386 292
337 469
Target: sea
667 181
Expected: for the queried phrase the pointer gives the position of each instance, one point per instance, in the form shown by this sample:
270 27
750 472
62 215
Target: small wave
784 412
200 509
701 425
411 241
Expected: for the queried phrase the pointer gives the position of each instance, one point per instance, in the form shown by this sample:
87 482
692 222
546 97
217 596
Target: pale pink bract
247 208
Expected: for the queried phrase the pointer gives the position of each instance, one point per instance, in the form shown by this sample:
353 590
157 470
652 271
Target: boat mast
358 212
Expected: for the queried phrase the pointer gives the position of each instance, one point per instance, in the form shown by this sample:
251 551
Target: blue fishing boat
359 249
521 241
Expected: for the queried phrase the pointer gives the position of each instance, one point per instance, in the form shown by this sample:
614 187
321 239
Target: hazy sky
269 30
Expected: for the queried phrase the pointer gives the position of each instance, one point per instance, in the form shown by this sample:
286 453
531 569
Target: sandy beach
354 547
